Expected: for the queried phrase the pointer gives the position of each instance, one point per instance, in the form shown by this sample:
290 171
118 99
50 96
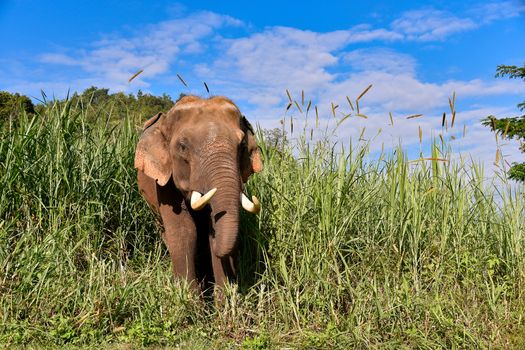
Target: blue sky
416 55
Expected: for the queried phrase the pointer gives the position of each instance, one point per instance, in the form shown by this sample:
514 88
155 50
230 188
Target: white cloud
381 59
57 58
402 92
111 61
267 57
254 66
428 25
477 87
259 68
262 66
498 10
364 33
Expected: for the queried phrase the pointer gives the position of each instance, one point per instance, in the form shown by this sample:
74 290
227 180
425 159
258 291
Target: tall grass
349 250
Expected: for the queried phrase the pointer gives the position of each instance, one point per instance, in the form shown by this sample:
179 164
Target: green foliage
259 342
517 172
511 127
348 252
120 105
11 105
511 71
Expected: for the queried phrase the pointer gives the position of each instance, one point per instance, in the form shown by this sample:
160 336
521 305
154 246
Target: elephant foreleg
180 236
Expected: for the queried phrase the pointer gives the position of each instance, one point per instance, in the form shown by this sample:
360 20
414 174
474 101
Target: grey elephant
192 165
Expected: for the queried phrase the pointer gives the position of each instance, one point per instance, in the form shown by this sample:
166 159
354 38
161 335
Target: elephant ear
251 160
152 156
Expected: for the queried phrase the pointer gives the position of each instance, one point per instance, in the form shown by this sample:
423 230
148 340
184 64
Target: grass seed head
135 75
182 80
350 103
363 93
298 107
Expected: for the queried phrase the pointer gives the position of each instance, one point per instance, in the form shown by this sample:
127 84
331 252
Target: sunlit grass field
350 250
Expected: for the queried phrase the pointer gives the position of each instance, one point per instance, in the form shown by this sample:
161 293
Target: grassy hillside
348 251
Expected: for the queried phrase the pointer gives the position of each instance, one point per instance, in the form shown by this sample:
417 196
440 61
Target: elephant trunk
224 176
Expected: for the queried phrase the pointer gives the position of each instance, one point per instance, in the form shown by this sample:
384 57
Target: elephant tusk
198 201
252 206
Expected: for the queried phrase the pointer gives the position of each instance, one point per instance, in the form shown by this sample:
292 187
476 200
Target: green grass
349 250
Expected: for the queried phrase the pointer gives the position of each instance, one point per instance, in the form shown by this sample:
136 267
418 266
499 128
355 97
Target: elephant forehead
195 100
209 120
214 104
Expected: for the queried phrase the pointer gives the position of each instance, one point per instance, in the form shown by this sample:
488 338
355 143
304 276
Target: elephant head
205 146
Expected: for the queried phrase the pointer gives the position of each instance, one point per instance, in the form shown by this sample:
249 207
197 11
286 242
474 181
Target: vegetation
348 252
511 127
12 105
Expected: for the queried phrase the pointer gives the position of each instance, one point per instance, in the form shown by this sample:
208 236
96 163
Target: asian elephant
192 165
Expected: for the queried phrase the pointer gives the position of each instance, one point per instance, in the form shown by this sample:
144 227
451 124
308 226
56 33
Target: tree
101 103
149 105
511 127
12 104
96 96
101 100
275 138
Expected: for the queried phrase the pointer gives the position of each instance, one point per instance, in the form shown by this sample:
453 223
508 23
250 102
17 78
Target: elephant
192 165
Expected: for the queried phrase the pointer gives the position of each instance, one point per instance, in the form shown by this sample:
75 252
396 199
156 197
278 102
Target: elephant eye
183 146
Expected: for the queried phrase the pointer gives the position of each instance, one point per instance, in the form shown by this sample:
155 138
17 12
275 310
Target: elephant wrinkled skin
192 165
